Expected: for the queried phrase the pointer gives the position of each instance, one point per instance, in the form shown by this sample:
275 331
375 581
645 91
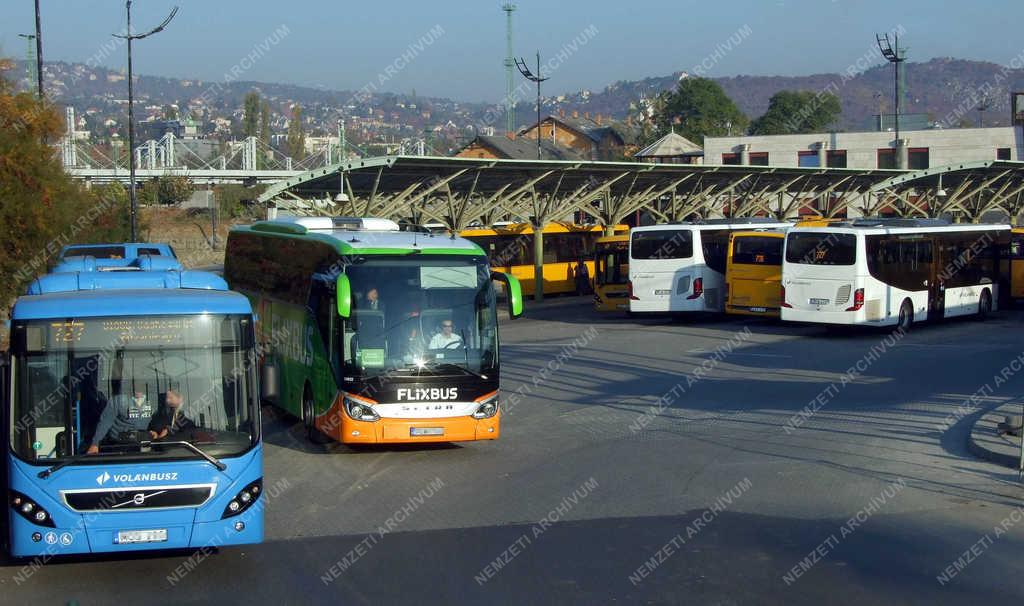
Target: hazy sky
347 45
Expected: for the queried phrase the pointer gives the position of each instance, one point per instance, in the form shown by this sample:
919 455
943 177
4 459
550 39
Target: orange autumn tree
41 207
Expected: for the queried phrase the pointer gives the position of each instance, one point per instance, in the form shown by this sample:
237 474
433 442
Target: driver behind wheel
446 337
170 418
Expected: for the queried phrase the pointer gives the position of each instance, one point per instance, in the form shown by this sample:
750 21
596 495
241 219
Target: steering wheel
455 343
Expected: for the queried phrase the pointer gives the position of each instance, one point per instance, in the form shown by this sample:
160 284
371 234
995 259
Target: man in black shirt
170 418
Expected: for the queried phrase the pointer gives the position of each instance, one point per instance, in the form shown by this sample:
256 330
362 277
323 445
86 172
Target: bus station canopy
459 192
970 190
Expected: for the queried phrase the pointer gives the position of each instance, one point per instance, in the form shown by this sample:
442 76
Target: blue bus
131 256
131 415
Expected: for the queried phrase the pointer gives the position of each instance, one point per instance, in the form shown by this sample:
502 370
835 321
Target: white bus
887 272
680 267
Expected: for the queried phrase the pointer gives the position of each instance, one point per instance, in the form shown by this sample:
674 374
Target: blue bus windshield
117 387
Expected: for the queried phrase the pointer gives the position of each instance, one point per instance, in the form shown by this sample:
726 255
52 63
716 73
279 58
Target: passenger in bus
372 300
170 418
123 419
446 337
582 277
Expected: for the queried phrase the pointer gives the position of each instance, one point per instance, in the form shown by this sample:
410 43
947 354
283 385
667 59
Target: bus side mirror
514 291
343 291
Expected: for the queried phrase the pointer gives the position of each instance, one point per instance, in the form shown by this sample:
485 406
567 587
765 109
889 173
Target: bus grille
129 498
843 294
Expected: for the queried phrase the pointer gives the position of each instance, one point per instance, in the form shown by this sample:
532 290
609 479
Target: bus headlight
488 407
359 409
244 499
30 510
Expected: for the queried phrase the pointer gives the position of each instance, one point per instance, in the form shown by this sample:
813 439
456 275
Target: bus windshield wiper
84 455
57 467
449 365
199 451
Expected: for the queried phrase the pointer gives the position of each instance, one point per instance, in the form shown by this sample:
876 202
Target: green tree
238 201
41 207
264 135
296 134
251 114
166 190
699 108
792 112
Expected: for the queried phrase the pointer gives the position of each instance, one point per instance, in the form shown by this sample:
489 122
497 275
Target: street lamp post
129 37
525 71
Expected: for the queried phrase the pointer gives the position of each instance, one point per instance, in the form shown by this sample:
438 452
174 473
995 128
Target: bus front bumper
340 427
88 536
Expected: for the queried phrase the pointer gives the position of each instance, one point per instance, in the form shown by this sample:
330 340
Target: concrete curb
984 441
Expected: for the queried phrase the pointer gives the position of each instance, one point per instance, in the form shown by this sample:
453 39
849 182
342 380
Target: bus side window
323 307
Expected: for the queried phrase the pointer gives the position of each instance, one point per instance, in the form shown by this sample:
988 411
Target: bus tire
906 317
985 305
309 416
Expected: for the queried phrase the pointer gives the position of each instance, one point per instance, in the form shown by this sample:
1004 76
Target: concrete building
916 150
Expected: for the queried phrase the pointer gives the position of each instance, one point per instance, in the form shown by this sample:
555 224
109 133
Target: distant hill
947 89
943 88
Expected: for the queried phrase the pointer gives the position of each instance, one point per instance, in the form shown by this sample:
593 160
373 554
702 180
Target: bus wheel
906 316
984 305
309 416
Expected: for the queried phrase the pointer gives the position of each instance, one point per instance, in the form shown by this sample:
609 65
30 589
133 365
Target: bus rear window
662 244
757 250
810 248
98 252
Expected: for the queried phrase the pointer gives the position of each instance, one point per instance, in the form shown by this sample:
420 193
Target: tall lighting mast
510 103
894 55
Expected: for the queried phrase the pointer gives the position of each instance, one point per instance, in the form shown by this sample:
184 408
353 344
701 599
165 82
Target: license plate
663 292
142 536
759 310
426 431
818 301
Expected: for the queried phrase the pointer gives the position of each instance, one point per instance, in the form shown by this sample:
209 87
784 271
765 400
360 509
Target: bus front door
936 286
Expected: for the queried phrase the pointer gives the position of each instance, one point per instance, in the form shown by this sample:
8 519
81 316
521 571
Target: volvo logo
139 499
102 478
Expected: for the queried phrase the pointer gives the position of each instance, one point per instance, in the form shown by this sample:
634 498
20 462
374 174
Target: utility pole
39 52
129 37
525 71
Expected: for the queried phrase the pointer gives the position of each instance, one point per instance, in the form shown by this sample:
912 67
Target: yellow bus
753 273
1017 263
509 249
611 273
817 221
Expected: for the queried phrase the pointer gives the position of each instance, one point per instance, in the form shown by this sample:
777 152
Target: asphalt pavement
652 460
